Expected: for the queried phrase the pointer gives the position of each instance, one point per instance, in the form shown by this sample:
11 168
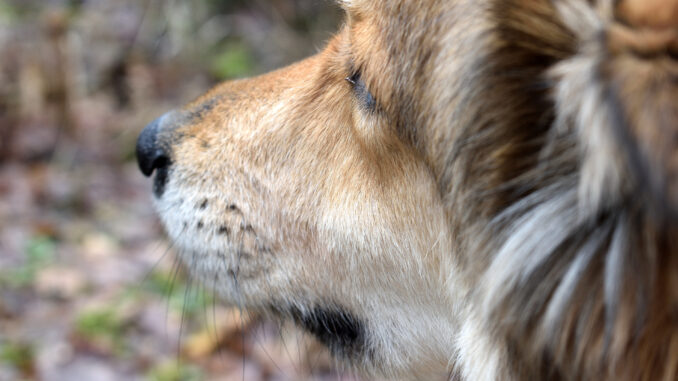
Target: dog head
292 193
444 171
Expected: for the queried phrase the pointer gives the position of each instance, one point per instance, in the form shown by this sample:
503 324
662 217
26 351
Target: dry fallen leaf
229 325
58 281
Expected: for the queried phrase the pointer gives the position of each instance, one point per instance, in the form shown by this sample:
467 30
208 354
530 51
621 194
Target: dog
451 189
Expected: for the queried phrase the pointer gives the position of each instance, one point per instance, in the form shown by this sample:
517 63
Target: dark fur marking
197 113
648 183
342 332
200 225
203 204
224 230
242 254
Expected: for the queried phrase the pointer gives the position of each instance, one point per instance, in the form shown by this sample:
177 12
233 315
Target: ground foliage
89 287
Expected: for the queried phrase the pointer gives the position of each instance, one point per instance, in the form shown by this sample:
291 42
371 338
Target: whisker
286 348
176 267
214 317
150 271
234 275
250 318
187 297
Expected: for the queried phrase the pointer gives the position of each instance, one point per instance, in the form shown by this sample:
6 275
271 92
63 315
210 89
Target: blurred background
89 287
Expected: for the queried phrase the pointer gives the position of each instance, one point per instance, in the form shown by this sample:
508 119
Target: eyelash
361 91
353 79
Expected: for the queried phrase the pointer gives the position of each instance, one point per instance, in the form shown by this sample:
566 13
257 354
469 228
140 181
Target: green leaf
235 61
39 252
172 371
99 323
19 356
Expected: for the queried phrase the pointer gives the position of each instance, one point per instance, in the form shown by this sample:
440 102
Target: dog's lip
160 180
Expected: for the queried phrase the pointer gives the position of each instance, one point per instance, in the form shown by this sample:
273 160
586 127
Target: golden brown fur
492 195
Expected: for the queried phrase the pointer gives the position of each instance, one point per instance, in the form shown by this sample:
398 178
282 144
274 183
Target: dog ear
349 5
646 86
654 14
619 94
355 8
643 89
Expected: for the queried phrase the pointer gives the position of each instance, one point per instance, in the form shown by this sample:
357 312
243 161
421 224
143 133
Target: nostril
151 160
151 154
157 162
161 162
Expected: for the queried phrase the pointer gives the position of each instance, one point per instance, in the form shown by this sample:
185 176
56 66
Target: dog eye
353 79
361 91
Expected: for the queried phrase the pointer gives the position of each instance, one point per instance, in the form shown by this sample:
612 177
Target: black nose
151 154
